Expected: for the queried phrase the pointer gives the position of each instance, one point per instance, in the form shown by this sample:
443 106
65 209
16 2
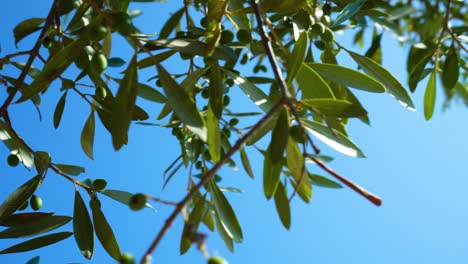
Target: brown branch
33 54
369 196
208 175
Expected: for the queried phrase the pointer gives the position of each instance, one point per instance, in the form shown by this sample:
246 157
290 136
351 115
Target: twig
208 175
33 54
158 200
369 196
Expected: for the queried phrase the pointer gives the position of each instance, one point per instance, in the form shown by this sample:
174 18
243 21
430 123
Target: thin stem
33 54
158 200
208 175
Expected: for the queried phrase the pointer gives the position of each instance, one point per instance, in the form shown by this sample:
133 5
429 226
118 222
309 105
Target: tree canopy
282 55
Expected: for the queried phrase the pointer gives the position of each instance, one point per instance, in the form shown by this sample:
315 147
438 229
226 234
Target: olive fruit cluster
325 33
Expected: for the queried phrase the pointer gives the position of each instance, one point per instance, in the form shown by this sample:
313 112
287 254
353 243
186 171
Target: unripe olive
226 100
318 28
226 36
82 60
233 122
13 160
204 22
137 201
35 202
97 33
327 35
127 258
158 83
122 23
100 93
198 165
227 132
99 184
46 42
98 63
217 260
326 8
205 93
229 82
244 36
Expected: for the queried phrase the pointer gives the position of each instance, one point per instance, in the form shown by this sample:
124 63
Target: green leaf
32 71
24 219
297 57
279 136
19 197
153 60
296 165
150 94
333 138
311 84
26 27
41 161
282 206
87 136
70 169
182 104
225 236
281 6
214 135
35 228
83 227
347 77
334 107
16 145
34 260
225 212
37 242
451 69
216 90
191 47
246 163
322 181
253 92
240 20
271 174
430 96
382 75
122 109
104 231
171 24
417 61
115 62
348 11
59 110
191 226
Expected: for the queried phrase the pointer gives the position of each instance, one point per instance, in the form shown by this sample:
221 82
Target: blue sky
416 167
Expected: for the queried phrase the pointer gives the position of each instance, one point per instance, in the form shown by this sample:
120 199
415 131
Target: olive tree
281 54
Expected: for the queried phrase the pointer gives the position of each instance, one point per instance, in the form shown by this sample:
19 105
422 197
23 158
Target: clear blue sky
417 167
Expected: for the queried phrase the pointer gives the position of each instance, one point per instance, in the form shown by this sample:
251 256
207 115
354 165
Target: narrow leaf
297 57
171 24
71 169
16 145
333 138
430 96
120 196
26 27
311 84
347 77
451 69
282 206
35 228
191 226
87 136
182 104
246 163
225 236
41 161
348 11
19 197
191 47
296 165
271 174
334 107
214 135
34 260
393 86
153 60
37 242
83 227
322 181
216 90
225 212
150 94
104 231
59 110
24 219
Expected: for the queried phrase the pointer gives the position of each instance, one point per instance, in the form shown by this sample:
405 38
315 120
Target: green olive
204 22
98 63
217 260
244 36
101 93
226 36
326 8
327 35
318 28
99 184
320 44
297 133
137 201
13 160
233 122
47 42
97 33
226 100
127 258
35 202
122 23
